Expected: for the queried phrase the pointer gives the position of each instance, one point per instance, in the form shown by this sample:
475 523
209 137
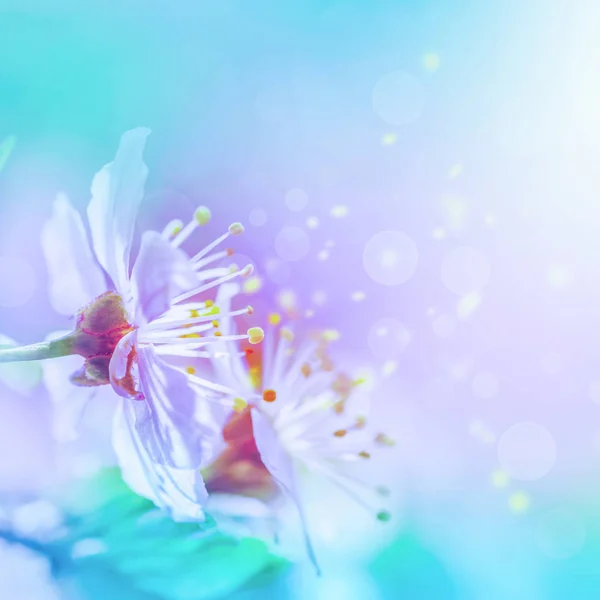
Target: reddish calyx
101 325
239 468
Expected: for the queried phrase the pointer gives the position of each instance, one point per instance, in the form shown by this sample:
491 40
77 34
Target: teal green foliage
145 555
407 570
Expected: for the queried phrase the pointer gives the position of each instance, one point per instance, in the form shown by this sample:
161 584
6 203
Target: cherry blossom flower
301 414
136 320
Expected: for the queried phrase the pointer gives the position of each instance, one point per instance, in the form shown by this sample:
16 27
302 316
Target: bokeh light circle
292 244
296 199
465 270
485 386
398 98
388 338
390 257
18 281
560 533
444 325
527 451
278 271
257 217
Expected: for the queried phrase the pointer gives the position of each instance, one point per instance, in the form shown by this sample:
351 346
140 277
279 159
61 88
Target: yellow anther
340 433
202 215
215 323
255 335
194 314
236 229
190 335
173 228
269 395
190 370
274 319
218 334
208 303
239 404
364 454
384 440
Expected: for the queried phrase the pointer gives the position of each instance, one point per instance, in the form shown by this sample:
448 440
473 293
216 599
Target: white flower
139 318
305 416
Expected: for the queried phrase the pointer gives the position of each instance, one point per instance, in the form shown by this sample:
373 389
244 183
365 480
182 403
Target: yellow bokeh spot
455 170
331 335
500 479
252 285
274 319
519 503
431 61
389 139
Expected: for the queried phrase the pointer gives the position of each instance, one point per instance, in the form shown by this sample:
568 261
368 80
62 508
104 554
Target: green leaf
149 553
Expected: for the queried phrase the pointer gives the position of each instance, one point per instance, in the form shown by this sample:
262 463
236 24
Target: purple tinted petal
75 277
280 465
165 420
181 492
160 273
123 368
117 191
77 412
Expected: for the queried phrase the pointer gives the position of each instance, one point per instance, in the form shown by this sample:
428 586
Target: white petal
165 419
160 273
227 363
75 277
181 492
117 191
281 467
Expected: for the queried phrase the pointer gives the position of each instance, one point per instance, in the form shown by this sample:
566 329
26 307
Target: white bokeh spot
527 451
390 257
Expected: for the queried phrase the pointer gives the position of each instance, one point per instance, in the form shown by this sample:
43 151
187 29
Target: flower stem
53 349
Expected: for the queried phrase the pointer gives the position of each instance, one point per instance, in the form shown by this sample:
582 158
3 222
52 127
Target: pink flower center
101 325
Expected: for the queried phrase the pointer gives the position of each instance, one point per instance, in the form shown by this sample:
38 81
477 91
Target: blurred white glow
527 451
292 244
444 325
390 257
398 98
485 386
465 270
278 271
296 199
18 281
26 574
388 338
257 217
468 304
